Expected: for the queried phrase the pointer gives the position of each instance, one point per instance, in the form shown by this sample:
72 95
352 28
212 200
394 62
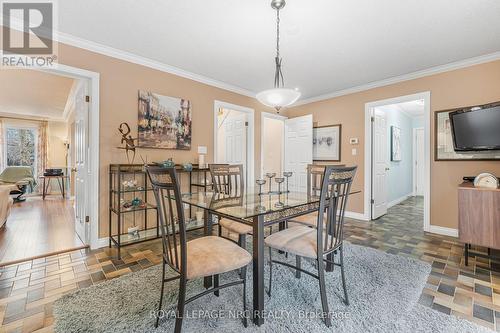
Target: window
21 147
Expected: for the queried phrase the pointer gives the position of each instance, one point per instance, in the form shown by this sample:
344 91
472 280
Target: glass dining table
258 211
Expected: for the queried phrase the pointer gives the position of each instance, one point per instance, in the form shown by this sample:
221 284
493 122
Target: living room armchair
18 179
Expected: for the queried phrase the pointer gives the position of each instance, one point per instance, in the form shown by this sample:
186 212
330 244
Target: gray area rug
383 290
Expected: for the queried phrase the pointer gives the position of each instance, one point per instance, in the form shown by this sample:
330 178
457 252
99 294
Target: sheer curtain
2 147
43 148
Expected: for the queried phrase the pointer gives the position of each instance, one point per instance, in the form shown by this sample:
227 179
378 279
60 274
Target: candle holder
270 175
260 182
279 180
287 174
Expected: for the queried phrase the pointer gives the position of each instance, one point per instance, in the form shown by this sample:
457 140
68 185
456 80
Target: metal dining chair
198 258
315 174
229 180
322 242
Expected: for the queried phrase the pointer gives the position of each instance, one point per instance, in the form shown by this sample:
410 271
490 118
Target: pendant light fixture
278 97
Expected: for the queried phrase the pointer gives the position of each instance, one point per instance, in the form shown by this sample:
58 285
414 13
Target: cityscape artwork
164 122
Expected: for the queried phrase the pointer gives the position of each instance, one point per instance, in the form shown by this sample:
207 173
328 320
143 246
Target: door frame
93 189
414 147
426 96
250 138
263 116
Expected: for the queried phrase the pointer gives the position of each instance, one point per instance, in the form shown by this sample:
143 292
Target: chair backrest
335 190
227 179
315 174
172 224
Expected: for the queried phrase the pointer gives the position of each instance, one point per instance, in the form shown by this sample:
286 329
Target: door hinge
87 98
87 219
373 119
246 123
373 201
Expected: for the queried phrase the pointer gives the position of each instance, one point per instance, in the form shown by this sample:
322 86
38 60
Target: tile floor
27 290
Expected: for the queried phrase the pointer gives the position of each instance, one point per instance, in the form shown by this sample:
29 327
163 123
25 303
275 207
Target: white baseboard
399 200
435 229
356 216
102 242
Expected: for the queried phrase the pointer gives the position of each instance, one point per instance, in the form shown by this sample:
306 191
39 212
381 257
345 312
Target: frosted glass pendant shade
278 97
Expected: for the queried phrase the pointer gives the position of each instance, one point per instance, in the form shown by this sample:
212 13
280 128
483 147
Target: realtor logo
28 34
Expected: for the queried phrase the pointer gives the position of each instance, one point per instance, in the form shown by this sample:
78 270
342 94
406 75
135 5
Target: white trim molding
405 77
426 96
436 229
94 139
355 216
251 134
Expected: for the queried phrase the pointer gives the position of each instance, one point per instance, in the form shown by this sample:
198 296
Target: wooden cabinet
479 215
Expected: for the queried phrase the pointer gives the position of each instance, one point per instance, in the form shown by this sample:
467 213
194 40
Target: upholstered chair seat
310 220
235 227
301 241
213 255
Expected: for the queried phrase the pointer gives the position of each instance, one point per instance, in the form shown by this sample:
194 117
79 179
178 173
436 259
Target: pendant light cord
278 76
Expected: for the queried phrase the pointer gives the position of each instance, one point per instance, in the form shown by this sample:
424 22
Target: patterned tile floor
27 290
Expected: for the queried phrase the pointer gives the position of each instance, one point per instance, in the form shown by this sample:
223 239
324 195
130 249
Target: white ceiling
327 45
30 93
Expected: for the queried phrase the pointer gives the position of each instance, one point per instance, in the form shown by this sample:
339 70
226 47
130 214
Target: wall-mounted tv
476 129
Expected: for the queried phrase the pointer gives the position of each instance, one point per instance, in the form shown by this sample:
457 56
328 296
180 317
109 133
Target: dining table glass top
250 203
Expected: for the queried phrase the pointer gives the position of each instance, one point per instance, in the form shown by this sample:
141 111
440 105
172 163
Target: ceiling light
278 97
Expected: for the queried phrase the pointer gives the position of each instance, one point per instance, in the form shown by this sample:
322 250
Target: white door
235 140
380 163
419 161
298 150
81 160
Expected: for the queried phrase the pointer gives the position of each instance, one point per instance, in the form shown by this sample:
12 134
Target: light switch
353 141
354 152
202 149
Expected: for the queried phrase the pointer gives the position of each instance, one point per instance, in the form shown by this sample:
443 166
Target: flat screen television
476 129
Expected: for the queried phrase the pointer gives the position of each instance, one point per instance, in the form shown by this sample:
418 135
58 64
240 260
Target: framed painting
443 140
395 144
327 143
164 122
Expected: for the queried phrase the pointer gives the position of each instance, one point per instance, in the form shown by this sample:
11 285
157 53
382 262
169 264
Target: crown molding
406 77
147 62
88 45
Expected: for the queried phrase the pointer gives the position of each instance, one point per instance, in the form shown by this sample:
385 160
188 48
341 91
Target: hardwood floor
28 289
38 227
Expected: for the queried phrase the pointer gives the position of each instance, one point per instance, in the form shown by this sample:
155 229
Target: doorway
59 115
397 158
234 137
272 142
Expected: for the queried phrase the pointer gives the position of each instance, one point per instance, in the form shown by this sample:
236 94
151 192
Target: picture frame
164 122
396 144
443 139
327 143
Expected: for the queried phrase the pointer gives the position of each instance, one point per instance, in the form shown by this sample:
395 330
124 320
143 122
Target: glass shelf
131 209
144 235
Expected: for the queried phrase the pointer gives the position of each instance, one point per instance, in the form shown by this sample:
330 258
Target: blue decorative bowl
168 163
188 167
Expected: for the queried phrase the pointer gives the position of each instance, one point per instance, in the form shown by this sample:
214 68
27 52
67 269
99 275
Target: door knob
74 170
387 169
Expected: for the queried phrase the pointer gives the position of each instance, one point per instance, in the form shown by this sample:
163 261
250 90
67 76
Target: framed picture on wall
164 122
443 139
395 144
327 142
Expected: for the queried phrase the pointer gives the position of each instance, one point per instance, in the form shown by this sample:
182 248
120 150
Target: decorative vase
168 163
188 167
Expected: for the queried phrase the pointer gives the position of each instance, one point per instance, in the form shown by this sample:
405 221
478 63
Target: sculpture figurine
128 141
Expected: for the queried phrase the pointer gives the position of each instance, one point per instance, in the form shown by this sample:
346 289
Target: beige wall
469 86
119 83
